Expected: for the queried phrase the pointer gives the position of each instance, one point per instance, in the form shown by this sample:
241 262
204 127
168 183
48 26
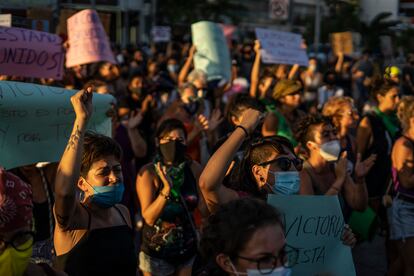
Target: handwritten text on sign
36 122
314 225
29 53
88 41
281 47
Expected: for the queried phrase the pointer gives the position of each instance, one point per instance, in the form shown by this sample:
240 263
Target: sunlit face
174 135
291 100
324 133
104 172
104 89
136 82
265 246
348 116
389 101
187 95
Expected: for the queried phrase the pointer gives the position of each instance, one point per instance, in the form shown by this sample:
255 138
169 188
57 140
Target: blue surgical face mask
107 196
285 183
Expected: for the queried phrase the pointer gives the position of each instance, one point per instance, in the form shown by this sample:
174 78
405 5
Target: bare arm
182 76
254 75
356 194
68 172
339 62
364 134
270 125
213 174
152 205
293 71
403 161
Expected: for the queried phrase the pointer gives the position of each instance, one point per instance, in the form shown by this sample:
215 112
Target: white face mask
280 271
330 150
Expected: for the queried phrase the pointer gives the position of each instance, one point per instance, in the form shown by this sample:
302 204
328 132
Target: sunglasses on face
285 163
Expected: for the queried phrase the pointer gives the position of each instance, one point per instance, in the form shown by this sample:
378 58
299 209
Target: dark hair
232 226
305 126
95 83
169 125
97 146
381 86
240 102
259 150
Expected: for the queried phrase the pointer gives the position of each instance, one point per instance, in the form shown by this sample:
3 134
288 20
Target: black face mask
192 107
173 152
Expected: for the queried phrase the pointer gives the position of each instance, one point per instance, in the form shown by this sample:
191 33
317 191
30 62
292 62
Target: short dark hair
305 126
97 146
259 150
232 226
240 102
168 126
381 86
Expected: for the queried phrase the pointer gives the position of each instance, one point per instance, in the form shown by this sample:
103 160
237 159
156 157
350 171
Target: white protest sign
212 56
161 33
36 122
281 47
6 20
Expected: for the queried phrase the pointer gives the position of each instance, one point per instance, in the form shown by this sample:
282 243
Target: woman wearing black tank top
376 134
169 194
94 236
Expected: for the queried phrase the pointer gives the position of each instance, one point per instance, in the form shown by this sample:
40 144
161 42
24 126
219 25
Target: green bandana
176 174
390 121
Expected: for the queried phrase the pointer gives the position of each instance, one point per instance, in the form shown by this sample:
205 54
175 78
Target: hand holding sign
82 104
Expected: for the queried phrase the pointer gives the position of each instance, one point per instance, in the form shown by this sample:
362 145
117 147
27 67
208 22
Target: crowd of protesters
180 187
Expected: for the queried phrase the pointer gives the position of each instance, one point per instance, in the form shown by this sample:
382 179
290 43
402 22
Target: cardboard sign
281 47
87 39
212 54
342 42
29 53
36 122
161 33
6 20
313 228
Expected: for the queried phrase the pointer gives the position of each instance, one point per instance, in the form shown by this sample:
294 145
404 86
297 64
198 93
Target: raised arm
152 204
254 75
293 71
187 66
213 174
339 62
69 167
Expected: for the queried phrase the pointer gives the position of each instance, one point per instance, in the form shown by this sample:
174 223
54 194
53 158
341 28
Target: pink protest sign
87 40
28 53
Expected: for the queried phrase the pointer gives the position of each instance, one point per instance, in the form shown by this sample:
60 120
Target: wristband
244 129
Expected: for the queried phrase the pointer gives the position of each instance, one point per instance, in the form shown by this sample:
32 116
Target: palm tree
380 25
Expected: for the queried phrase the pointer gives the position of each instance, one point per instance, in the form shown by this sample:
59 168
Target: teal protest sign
212 54
314 226
36 122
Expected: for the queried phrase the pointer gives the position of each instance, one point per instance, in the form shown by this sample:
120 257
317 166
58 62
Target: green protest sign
314 226
212 56
36 122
